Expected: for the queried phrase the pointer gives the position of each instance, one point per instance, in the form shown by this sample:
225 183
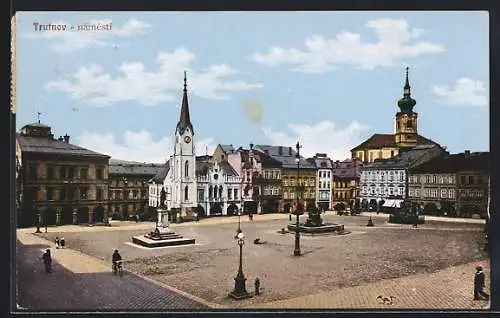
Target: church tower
184 187
406 119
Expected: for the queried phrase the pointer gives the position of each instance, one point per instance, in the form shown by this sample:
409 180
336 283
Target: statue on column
163 197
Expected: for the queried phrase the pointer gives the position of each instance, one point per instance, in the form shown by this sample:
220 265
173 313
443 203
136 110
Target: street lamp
38 221
238 231
240 290
296 251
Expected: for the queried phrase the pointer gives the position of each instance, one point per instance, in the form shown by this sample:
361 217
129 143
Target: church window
186 169
186 193
220 191
409 124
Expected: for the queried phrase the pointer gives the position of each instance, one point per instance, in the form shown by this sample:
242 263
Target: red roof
388 140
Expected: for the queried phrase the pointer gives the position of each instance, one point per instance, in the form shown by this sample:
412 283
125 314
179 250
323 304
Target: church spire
407 103
184 121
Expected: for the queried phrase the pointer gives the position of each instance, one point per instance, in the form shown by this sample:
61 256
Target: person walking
47 261
57 242
479 279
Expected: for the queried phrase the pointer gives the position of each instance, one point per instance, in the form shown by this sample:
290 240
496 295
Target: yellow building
384 146
345 182
290 186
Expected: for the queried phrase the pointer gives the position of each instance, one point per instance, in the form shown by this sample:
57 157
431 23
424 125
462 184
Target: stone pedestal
162 235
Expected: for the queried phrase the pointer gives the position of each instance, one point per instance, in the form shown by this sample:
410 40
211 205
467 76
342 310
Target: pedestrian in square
47 261
57 242
63 242
136 218
250 216
479 279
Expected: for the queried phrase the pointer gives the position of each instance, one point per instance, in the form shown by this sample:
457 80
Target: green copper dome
407 103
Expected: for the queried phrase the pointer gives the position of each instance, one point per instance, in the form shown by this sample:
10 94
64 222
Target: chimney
280 150
66 138
467 154
290 151
60 138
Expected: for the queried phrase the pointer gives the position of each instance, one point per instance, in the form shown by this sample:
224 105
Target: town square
274 204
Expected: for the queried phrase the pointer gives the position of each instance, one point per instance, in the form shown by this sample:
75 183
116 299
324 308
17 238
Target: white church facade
191 183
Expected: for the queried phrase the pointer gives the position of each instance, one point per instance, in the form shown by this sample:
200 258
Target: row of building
61 183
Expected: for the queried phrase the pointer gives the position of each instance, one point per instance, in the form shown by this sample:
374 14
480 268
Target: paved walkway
81 282
432 218
447 289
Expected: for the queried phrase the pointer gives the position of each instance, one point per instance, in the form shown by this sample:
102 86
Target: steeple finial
38 114
407 84
185 82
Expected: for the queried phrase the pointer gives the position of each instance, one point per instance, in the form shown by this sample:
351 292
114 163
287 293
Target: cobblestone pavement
81 283
447 289
330 263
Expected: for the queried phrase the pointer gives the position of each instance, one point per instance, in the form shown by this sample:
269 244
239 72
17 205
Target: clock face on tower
187 139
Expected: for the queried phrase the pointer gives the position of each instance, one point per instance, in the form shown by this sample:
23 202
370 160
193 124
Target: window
417 192
328 184
391 191
99 194
434 179
229 192
99 174
63 173
451 179
125 194
401 176
71 172
426 192
236 194
220 191
186 169
410 192
444 193
462 179
84 193
50 173
451 194
292 195
135 193
49 193
471 179
62 194
84 173
210 192
434 193
201 195
186 192
32 171
392 153
71 194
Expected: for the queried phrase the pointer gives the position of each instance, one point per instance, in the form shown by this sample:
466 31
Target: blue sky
328 79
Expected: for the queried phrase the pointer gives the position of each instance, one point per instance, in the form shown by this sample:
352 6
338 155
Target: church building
195 183
385 146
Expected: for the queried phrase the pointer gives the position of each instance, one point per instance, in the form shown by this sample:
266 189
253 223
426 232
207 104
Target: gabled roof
388 140
54 146
348 169
285 155
133 168
474 161
161 174
227 148
403 160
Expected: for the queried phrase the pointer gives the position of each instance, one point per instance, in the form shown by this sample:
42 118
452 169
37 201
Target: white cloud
394 43
150 87
323 137
466 92
137 146
74 39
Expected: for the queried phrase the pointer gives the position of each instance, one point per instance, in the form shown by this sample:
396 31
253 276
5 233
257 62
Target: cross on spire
185 81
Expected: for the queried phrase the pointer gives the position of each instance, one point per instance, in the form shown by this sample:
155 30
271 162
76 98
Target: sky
327 79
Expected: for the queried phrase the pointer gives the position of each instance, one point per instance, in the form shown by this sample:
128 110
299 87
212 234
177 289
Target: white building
383 182
194 183
323 181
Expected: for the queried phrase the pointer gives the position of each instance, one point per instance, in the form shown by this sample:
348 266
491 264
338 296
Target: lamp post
238 231
240 291
38 221
296 251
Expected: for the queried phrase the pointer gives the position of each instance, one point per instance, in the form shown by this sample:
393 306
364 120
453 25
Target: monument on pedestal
162 235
